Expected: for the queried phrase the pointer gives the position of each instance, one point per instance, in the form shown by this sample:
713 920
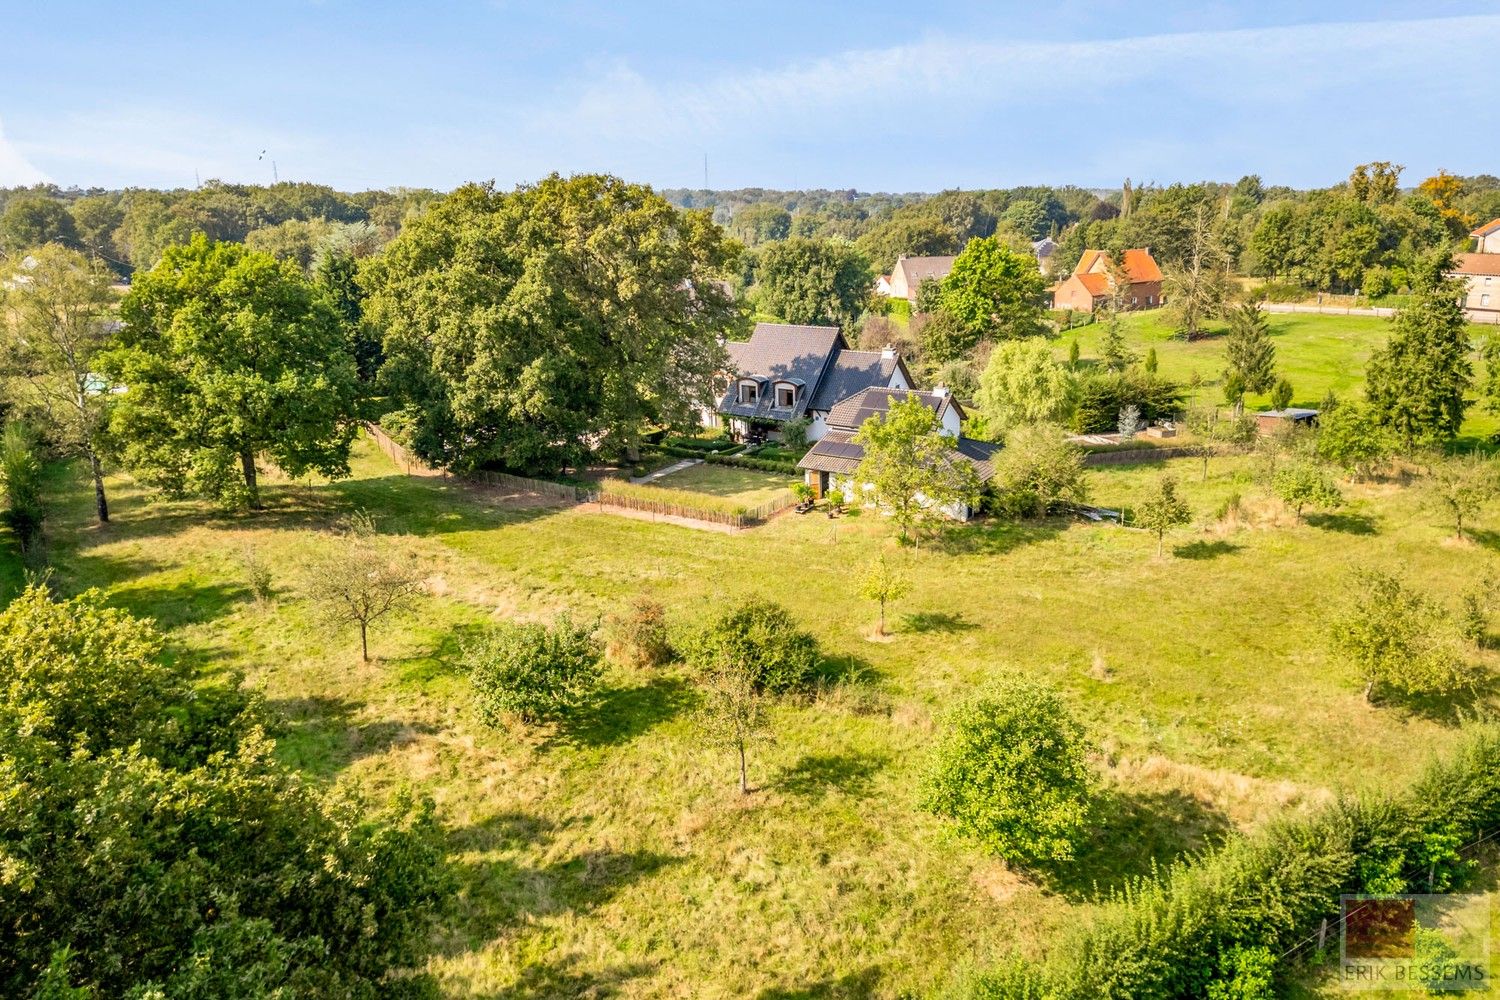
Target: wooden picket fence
735 519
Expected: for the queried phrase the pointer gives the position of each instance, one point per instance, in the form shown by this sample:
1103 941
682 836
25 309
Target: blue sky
877 96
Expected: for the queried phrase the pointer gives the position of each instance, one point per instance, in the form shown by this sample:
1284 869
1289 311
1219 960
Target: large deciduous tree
815 281
58 321
225 355
995 291
1198 286
522 330
1023 384
912 467
31 220
1416 382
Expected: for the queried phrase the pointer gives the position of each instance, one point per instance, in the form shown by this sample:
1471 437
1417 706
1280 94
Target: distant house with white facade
1043 249
909 273
831 463
1480 272
786 372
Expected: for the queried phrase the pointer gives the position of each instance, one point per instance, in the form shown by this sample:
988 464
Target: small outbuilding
1267 421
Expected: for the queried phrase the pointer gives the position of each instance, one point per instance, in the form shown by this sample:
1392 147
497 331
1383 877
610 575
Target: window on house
749 392
1134 300
1484 299
786 395
1150 300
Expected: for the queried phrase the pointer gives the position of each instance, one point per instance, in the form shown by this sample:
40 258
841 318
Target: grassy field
749 486
614 853
1317 353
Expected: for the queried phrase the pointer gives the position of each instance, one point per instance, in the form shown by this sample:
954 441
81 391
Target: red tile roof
1141 266
1487 228
1097 284
1478 263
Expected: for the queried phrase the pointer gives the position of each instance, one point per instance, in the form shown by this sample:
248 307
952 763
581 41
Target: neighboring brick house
1092 282
785 372
909 273
1481 273
831 463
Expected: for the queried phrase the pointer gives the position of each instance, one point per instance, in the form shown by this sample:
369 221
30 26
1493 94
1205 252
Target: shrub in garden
1011 771
763 640
638 635
533 671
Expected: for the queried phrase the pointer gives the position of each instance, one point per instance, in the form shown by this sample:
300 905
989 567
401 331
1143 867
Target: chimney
940 391
887 353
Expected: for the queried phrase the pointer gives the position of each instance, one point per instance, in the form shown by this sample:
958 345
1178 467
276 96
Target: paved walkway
686 463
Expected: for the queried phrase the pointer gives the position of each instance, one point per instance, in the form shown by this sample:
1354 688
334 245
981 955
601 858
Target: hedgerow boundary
1173 933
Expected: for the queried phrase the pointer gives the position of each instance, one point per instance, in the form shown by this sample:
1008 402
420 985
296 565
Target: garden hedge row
1267 895
761 464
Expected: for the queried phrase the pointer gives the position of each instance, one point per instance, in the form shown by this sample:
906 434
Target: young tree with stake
363 580
883 583
1162 510
1462 487
734 716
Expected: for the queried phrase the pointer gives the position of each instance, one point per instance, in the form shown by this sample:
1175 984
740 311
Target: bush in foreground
151 845
1011 771
533 671
760 639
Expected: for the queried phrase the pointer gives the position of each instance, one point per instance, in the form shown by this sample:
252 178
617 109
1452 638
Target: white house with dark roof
832 461
786 372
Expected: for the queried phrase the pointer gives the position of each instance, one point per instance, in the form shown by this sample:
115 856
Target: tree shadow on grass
1455 709
945 622
1485 537
815 775
1134 833
176 604
619 715
445 659
562 980
853 986
320 736
1348 524
994 538
1203 549
501 893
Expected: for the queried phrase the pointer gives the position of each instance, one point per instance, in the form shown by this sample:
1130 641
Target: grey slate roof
851 413
852 371
837 453
780 352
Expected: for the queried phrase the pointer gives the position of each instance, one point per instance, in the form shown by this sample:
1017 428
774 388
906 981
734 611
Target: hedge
695 444
761 464
1169 935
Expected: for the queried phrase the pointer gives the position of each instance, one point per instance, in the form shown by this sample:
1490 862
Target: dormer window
749 391
786 395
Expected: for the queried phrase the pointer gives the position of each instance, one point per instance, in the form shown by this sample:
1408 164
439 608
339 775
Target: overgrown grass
747 487
684 497
613 853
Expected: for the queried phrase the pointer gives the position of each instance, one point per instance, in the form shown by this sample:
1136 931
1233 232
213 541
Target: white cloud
948 88
15 169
